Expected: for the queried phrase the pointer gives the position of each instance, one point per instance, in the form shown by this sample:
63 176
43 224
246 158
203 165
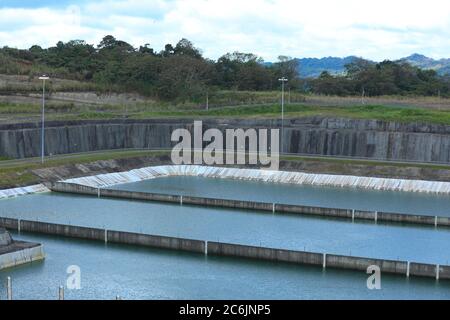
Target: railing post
61 293
8 288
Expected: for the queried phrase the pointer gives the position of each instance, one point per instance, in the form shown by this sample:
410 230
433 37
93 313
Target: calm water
153 274
133 273
367 239
347 198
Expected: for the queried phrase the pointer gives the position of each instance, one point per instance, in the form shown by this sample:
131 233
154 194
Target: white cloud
373 29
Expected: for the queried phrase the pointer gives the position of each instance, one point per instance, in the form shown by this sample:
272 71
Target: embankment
299 178
313 135
322 260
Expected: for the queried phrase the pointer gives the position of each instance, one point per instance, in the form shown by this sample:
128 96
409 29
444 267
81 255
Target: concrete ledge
23 253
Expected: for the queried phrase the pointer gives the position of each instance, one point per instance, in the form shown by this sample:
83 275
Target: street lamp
283 80
43 78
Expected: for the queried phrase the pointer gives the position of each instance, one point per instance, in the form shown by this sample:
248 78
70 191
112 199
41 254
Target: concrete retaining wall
259 206
312 135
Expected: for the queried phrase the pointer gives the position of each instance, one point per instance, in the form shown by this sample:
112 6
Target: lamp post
283 80
43 78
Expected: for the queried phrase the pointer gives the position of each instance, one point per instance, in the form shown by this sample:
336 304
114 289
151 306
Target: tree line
181 72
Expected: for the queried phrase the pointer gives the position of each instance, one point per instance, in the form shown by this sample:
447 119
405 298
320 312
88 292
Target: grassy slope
377 112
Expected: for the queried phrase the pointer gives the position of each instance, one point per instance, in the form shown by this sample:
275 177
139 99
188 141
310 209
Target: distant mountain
313 67
442 66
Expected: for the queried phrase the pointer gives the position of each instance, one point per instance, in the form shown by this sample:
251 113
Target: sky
377 30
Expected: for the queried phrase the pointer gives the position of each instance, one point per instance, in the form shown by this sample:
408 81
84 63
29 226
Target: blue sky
382 29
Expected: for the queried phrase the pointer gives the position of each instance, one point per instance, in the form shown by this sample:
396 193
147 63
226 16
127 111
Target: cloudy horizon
268 28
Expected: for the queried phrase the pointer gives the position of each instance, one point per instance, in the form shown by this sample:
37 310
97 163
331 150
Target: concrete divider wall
106 235
443 221
235 250
329 212
444 272
9 223
156 241
73 188
422 269
62 230
134 195
226 203
359 263
406 218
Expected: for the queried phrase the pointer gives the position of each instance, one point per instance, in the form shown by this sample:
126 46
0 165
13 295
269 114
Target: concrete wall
9 223
62 230
261 253
359 263
374 216
313 135
234 250
156 241
26 255
105 235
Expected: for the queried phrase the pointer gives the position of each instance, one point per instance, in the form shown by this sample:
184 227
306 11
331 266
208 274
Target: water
347 198
138 273
366 239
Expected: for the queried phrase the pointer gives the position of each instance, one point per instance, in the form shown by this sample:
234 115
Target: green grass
143 111
19 172
398 114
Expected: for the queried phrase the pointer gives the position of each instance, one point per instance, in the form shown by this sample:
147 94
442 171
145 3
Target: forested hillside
180 72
